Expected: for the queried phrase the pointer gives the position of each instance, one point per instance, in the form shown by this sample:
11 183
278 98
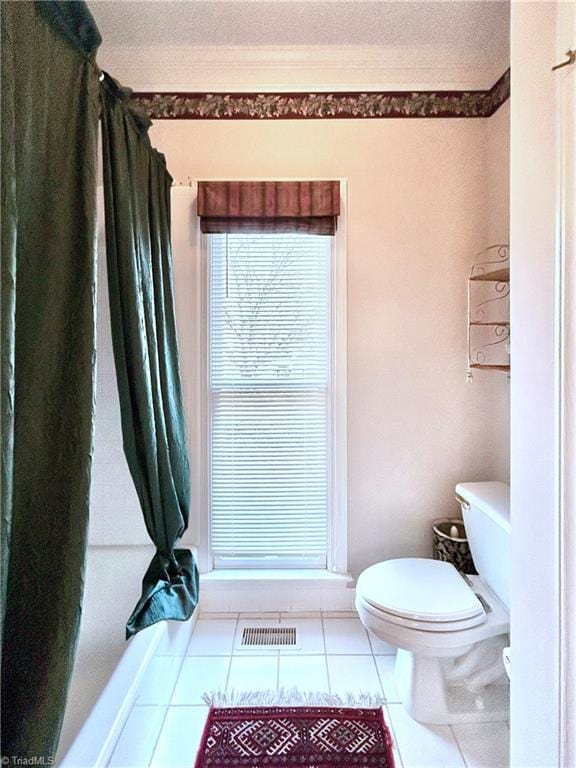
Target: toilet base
471 688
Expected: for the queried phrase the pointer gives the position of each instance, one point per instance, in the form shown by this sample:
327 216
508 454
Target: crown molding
290 68
304 56
325 105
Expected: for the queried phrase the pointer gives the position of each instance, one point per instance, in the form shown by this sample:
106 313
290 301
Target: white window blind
269 381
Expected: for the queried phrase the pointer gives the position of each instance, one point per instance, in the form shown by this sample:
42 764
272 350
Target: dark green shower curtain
137 205
50 114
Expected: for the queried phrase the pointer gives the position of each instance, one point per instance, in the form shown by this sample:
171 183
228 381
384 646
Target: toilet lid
421 589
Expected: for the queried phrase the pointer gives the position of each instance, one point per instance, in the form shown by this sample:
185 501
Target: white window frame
337 544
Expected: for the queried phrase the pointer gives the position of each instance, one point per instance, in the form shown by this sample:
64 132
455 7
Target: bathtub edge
96 739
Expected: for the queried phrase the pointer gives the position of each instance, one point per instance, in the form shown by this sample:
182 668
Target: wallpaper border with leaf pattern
324 105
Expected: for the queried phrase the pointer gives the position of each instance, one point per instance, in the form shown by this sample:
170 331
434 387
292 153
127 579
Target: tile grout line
200 656
374 663
284 654
455 737
121 733
325 652
281 614
371 644
380 679
231 653
278 657
382 689
228 673
157 740
388 720
171 706
278 672
177 677
390 725
180 706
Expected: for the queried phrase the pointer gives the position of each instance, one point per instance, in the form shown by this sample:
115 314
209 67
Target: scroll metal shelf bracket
489 312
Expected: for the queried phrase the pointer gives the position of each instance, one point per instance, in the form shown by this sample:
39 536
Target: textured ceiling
481 27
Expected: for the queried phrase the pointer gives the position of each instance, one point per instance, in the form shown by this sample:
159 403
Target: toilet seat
438 639
420 593
431 627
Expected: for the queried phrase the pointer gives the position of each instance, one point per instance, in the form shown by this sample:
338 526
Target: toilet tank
486 512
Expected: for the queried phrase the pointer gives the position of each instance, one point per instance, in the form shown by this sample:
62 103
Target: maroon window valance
269 206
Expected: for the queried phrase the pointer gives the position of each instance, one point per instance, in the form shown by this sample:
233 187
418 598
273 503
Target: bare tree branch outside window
256 292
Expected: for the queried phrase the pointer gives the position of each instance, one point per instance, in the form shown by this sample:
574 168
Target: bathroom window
275 403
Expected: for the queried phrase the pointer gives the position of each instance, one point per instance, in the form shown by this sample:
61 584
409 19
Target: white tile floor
336 655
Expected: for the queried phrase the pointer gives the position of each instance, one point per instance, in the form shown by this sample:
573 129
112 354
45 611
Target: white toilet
450 630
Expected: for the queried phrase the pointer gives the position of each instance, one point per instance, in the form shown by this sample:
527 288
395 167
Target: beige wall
424 196
498 167
115 516
499 175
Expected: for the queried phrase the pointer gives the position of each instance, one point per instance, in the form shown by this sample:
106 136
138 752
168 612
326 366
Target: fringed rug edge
292 697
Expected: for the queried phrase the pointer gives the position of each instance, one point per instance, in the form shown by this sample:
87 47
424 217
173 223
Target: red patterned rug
299 737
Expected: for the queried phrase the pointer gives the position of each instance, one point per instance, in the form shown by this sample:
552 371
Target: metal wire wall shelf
489 312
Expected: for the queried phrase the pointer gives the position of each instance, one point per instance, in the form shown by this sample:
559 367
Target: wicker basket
450 547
